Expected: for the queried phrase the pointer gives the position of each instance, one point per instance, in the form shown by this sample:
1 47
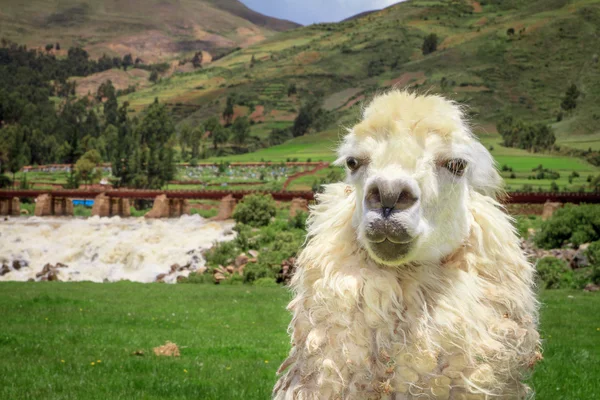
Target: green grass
318 147
232 339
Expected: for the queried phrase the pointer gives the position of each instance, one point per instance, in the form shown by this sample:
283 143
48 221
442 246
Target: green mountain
509 57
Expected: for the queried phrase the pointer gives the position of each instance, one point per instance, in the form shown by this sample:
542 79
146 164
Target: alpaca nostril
374 198
406 199
388 196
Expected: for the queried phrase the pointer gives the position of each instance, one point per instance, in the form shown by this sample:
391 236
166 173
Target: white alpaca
412 284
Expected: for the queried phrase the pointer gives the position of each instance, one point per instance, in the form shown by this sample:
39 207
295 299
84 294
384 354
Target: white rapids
107 249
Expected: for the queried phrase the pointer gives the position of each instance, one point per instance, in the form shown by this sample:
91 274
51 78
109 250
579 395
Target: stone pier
46 205
10 206
226 208
168 208
298 205
105 206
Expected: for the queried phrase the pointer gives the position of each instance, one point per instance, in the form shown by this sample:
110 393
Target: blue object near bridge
86 203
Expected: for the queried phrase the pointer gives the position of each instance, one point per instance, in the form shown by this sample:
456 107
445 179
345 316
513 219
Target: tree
570 100
49 47
127 61
292 89
16 148
252 61
429 44
309 116
86 167
241 130
219 136
184 139
228 112
278 136
197 60
153 76
107 90
196 138
156 133
57 47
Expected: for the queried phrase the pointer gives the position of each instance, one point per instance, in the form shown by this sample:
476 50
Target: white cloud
312 11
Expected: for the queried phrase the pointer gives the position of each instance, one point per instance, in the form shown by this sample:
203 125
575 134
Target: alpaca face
413 162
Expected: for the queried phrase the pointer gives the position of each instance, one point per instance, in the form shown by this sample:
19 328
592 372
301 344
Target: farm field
78 340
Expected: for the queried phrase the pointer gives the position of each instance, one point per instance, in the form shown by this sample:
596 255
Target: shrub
197 278
255 210
571 224
299 220
429 44
593 255
265 282
5 181
554 273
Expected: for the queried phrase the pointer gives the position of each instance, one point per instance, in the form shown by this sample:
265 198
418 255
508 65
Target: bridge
174 203
108 203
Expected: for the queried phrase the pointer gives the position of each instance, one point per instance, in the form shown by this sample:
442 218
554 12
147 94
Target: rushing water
106 249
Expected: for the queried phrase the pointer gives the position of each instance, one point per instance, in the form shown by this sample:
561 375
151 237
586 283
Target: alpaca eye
352 163
456 166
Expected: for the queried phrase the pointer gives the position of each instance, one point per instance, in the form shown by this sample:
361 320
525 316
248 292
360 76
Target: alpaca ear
484 176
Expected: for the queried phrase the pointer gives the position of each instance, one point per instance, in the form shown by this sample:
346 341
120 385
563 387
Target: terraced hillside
154 30
512 57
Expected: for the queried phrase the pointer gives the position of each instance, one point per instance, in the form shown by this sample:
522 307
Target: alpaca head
414 164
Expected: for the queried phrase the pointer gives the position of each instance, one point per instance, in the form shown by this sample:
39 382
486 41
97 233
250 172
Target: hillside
512 57
154 30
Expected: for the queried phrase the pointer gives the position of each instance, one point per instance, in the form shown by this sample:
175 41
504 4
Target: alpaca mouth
389 251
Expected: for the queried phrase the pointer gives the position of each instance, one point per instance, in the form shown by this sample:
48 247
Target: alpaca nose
390 195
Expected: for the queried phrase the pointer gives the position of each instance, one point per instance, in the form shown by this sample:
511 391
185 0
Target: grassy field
76 341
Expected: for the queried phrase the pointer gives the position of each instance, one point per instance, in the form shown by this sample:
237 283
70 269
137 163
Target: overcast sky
308 12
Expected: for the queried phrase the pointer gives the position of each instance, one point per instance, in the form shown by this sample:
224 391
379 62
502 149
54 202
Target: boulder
288 267
549 209
298 205
240 260
50 272
580 259
5 269
226 208
160 209
590 287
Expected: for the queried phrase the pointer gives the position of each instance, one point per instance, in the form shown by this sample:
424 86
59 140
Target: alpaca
412 284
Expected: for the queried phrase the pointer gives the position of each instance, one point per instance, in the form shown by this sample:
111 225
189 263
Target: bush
299 220
593 256
266 282
5 181
255 210
197 278
554 273
571 224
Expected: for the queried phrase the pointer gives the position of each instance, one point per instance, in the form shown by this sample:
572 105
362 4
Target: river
106 249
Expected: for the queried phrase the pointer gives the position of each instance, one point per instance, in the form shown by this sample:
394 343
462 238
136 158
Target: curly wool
461 328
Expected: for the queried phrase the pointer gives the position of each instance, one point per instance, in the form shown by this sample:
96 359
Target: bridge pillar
101 207
10 206
105 206
63 206
160 208
298 205
549 209
44 205
226 208
178 207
